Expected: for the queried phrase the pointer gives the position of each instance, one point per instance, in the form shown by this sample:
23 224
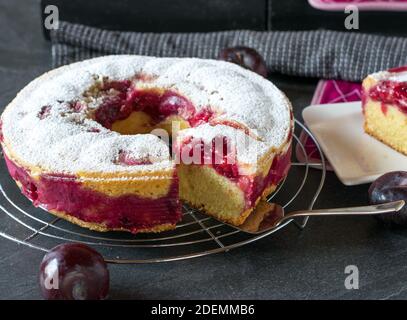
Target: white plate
355 156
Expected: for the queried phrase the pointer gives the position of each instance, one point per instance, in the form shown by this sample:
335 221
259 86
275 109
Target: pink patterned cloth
388 5
327 91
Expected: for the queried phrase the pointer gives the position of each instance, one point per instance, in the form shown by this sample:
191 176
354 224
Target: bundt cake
384 102
92 142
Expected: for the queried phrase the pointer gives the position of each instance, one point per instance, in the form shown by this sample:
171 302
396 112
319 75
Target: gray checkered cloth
322 54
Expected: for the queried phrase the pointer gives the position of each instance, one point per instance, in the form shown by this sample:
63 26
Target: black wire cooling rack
195 236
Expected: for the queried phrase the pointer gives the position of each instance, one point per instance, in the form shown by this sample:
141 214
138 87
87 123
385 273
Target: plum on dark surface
73 271
245 57
391 186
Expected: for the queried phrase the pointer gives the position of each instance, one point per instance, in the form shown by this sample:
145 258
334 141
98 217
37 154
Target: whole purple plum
391 186
245 57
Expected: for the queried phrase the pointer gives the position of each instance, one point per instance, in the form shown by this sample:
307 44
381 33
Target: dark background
288 264
215 15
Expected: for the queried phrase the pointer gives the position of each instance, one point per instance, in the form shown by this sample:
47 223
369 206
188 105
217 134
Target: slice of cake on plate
384 102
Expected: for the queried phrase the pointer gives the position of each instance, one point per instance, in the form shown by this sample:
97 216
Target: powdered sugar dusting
392 76
41 129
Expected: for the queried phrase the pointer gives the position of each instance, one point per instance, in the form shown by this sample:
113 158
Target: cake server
268 216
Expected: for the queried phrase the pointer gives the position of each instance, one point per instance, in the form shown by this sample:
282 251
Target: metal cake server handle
268 216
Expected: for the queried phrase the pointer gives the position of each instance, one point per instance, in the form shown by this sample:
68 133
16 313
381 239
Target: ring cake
384 102
81 141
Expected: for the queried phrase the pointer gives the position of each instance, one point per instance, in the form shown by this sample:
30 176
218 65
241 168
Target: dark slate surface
213 15
299 15
289 264
171 16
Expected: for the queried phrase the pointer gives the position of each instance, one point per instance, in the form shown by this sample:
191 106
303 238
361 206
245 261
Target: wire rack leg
303 224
